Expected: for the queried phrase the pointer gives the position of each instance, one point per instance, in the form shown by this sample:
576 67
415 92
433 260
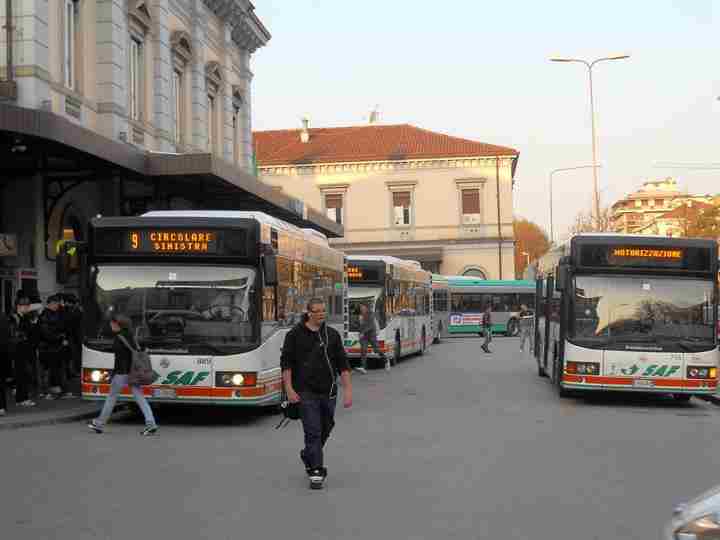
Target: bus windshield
643 313
178 309
373 298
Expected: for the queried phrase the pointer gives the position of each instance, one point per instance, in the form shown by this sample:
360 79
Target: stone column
246 146
31 53
162 72
226 90
112 70
199 128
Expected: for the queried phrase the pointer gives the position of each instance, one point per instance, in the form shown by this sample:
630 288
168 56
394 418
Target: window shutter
401 199
333 201
470 201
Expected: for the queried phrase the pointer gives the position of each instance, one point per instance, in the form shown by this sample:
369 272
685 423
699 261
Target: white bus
400 293
211 294
630 313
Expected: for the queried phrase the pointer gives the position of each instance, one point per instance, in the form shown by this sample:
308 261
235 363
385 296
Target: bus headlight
97 376
701 372
235 378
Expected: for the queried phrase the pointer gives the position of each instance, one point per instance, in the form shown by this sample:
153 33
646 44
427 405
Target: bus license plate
164 393
643 383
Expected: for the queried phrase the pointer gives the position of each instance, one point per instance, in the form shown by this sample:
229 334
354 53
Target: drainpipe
8 33
8 87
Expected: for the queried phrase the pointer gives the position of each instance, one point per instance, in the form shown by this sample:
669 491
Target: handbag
141 371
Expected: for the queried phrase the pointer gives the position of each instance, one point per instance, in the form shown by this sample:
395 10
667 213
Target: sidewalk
56 411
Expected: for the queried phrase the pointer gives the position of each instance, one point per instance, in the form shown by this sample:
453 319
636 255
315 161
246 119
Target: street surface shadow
206 416
632 400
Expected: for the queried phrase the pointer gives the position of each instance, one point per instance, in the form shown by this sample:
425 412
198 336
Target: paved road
456 444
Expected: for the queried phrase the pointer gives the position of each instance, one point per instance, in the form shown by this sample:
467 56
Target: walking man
368 336
24 336
487 327
526 324
312 357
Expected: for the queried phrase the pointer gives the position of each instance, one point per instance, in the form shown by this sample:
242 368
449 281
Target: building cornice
246 29
381 166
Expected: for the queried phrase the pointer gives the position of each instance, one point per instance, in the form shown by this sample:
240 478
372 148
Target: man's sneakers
27 403
149 430
317 477
361 370
97 428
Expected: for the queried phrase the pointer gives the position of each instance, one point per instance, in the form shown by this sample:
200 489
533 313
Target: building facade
640 211
116 107
403 191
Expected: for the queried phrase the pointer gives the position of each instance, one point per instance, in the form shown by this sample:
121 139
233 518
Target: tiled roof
366 143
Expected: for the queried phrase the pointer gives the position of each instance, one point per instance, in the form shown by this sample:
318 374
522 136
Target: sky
480 70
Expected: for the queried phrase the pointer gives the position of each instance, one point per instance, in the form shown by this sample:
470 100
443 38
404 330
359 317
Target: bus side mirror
561 278
270 274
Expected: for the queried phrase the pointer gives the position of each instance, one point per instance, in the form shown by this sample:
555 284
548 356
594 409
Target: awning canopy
32 140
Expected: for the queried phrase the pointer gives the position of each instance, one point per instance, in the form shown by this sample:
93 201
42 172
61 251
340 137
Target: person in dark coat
312 358
54 348
24 337
4 360
122 328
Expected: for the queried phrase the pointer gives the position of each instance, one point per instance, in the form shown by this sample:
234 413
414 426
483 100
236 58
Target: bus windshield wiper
192 347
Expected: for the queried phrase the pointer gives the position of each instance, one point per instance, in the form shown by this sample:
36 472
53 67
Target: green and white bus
469 296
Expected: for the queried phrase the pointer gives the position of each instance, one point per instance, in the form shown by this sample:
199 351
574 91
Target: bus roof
415 265
468 281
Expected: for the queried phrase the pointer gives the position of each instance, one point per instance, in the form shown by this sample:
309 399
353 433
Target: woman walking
122 328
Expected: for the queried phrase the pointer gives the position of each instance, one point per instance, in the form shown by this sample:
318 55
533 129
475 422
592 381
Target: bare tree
584 222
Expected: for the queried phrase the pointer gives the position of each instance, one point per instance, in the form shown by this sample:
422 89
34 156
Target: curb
65 419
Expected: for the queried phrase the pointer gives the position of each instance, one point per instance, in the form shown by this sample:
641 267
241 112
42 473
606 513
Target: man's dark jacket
304 352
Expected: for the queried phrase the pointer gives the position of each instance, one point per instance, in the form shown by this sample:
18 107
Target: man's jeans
118 383
318 418
369 339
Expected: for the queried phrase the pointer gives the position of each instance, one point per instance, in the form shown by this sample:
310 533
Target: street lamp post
589 65
552 236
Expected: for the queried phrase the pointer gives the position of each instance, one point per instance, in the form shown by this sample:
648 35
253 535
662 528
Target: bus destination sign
176 242
671 257
632 255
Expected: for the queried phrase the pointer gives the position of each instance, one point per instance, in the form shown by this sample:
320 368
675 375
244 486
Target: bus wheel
682 398
512 328
397 352
423 344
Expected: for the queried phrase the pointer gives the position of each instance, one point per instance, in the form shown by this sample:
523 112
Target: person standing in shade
526 326
368 336
312 357
24 336
122 328
487 327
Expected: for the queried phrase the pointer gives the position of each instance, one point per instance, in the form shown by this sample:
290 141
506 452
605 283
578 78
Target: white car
698 519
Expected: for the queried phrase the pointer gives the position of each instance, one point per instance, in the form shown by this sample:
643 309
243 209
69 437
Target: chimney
304 132
374 115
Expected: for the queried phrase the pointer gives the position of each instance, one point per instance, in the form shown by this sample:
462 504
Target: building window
213 82
334 207
470 199
177 100
182 54
402 208
70 15
136 78
211 123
